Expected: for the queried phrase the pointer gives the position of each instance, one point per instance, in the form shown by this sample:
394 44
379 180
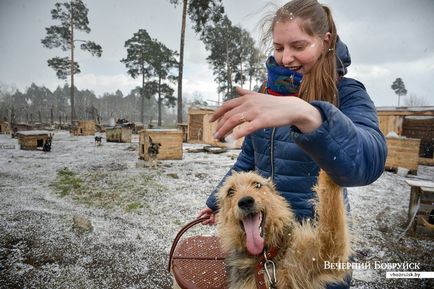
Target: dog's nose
246 203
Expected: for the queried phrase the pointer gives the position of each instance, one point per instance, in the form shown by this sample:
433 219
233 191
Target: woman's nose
287 57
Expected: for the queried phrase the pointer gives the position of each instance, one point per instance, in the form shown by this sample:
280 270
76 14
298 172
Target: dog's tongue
254 241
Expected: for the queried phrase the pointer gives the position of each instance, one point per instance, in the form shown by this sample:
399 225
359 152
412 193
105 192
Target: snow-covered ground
136 211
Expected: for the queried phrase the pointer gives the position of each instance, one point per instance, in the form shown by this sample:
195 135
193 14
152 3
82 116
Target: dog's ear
270 183
150 139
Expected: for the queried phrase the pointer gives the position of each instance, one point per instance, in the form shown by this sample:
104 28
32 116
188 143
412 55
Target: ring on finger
243 117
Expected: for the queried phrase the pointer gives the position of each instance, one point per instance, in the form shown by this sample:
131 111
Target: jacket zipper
272 154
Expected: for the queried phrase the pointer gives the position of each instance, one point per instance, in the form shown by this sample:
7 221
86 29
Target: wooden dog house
403 152
410 122
32 139
83 128
138 126
118 134
201 130
4 127
170 141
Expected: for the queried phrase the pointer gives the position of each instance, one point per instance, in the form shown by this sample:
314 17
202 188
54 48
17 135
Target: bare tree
414 100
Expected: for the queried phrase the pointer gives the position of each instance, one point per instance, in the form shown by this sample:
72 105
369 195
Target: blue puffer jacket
348 145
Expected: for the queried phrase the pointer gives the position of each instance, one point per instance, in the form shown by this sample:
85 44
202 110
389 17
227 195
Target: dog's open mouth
253 227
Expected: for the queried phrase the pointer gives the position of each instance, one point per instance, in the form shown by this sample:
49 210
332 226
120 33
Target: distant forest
39 104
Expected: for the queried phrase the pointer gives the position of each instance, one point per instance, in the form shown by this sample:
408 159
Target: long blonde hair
320 82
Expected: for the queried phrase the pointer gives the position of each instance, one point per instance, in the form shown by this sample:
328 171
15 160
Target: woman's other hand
207 213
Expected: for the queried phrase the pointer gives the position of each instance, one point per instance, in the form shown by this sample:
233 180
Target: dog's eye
230 193
257 185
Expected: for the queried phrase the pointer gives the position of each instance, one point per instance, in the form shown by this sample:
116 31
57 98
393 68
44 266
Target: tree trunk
181 61
159 101
229 73
241 70
52 115
72 67
40 116
142 100
250 82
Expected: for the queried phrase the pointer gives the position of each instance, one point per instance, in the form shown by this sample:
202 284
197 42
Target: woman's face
294 48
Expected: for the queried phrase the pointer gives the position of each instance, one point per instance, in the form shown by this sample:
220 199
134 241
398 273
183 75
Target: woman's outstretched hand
257 111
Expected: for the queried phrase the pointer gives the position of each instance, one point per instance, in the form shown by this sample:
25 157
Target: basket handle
179 235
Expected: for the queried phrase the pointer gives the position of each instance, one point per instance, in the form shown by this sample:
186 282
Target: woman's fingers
231 104
207 213
204 212
230 119
229 122
226 106
242 91
242 130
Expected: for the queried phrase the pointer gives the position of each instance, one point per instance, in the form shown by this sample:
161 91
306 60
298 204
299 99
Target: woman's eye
299 48
230 192
258 185
279 49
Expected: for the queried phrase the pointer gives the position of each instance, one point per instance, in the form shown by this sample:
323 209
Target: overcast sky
386 38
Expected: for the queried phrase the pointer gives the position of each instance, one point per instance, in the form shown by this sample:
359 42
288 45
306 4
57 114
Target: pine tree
154 62
139 49
73 17
399 88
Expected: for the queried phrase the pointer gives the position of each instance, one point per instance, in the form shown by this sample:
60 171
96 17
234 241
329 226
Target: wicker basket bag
197 262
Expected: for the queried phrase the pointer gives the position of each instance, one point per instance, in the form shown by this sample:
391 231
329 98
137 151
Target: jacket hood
343 57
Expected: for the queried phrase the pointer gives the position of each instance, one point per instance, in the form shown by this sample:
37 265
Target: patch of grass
133 206
177 222
67 182
108 189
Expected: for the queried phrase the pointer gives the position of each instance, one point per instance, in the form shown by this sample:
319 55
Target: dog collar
262 269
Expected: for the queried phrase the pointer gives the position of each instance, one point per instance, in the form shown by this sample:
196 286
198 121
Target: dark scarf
281 80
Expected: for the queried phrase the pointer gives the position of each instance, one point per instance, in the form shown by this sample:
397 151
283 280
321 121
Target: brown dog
268 248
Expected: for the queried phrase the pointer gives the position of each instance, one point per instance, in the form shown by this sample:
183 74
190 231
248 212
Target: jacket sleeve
244 162
348 145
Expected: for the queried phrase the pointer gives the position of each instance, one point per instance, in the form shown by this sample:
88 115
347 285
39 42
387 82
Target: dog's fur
303 247
47 145
153 151
98 140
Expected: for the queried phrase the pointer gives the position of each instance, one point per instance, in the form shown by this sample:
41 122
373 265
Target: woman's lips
295 68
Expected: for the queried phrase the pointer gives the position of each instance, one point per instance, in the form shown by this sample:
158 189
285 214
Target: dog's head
252 214
153 148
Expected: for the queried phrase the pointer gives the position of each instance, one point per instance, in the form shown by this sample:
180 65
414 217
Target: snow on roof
33 132
405 108
164 129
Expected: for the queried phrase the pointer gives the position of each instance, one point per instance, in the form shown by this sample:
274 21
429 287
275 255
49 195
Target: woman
307 116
